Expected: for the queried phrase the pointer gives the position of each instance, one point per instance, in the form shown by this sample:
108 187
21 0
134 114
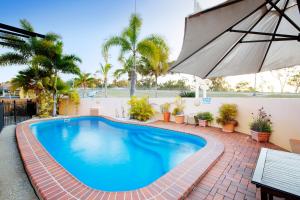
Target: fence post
1 116
15 114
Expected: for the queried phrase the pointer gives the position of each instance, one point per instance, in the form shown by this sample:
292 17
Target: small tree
218 84
175 85
119 83
132 48
244 86
105 68
154 66
295 81
84 80
283 75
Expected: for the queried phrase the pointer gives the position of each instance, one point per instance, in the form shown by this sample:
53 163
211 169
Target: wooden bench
277 173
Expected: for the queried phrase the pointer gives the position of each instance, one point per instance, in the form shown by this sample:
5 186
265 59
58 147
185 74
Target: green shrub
187 94
179 106
261 122
45 104
74 97
227 114
205 116
165 107
140 109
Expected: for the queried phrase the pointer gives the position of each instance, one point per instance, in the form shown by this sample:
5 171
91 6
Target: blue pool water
113 156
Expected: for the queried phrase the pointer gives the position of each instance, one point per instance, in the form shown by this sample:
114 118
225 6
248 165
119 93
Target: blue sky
85 24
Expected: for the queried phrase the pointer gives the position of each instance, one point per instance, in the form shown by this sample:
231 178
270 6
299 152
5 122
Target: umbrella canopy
241 37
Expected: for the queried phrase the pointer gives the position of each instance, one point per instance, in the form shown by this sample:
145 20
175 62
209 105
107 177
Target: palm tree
44 53
23 51
54 61
31 78
105 68
131 46
36 80
153 66
84 80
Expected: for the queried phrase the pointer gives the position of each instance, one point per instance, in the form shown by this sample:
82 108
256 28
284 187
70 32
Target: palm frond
16 43
105 52
147 49
52 37
42 61
72 58
11 58
105 68
26 25
119 72
117 41
133 30
160 42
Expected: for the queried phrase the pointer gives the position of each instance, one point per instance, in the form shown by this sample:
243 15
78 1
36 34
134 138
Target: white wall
285 112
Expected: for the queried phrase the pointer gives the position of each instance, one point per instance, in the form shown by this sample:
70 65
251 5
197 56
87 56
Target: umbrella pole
254 93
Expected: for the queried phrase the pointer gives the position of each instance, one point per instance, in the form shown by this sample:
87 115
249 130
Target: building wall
285 112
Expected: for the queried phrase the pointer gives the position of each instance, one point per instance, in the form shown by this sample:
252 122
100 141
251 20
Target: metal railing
152 93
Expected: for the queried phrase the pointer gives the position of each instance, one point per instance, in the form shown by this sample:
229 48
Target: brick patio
230 177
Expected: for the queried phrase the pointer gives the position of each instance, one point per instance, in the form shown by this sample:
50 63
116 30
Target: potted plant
227 115
165 109
261 126
140 109
178 111
204 118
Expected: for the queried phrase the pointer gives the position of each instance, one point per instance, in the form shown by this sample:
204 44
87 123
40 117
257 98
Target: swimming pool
113 156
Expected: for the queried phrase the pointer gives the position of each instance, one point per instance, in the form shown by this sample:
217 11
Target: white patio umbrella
241 37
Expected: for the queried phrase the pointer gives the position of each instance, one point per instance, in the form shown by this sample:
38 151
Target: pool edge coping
48 177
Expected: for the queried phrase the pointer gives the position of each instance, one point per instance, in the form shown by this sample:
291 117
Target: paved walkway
14 184
230 177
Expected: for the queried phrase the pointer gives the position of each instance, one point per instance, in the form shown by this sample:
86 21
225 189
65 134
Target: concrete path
14 184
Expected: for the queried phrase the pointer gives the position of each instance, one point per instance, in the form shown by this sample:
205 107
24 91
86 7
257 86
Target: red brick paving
52 181
230 177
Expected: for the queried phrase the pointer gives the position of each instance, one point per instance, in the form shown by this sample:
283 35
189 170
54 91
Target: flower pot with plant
165 109
227 115
261 126
178 111
204 118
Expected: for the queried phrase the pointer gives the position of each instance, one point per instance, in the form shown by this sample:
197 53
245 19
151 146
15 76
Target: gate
1 116
13 112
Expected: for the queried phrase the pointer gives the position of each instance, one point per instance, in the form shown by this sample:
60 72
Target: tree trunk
84 90
297 88
54 104
54 97
105 85
133 74
156 86
132 82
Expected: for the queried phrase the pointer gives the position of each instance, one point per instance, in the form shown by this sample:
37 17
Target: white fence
285 112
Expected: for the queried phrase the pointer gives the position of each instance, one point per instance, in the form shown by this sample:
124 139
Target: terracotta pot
260 136
179 119
203 123
228 128
167 116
